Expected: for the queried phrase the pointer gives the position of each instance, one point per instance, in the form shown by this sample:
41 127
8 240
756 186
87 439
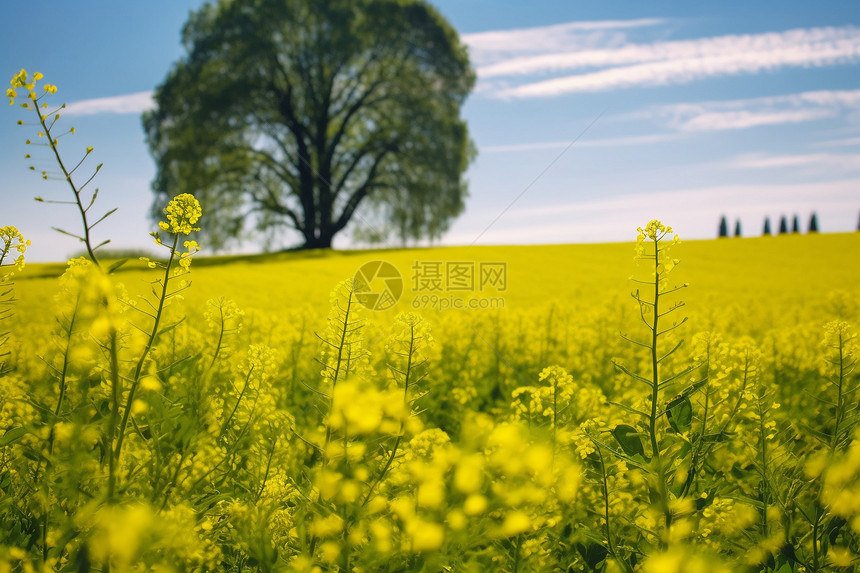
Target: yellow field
758 282
287 429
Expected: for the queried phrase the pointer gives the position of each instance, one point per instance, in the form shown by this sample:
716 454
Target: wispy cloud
718 121
605 142
845 142
501 44
130 103
818 162
626 65
754 112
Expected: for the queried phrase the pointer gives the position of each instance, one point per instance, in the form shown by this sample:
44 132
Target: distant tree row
783 226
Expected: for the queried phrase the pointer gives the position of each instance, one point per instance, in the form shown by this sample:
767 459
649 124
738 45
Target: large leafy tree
316 114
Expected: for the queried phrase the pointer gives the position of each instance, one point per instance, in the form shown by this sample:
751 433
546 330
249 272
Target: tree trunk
322 241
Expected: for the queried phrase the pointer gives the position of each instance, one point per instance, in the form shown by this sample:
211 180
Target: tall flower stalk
653 247
182 214
47 119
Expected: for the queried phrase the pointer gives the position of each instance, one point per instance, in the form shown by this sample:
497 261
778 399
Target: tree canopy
315 114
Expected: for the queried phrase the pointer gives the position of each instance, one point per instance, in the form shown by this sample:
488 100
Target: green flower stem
116 392
117 451
605 488
764 486
64 372
68 176
655 388
220 341
655 380
840 398
335 376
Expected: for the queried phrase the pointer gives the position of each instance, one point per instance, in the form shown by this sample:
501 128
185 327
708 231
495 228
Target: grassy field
267 421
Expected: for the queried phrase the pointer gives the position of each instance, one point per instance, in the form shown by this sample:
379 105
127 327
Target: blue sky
590 117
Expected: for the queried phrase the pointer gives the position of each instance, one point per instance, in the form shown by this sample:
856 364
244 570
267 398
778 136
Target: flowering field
651 406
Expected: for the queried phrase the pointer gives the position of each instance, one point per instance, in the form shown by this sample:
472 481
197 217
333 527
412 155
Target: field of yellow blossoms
657 406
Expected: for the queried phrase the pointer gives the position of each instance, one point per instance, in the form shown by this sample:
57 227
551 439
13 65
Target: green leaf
833 528
170 327
105 216
679 412
12 436
654 496
593 554
78 237
82 560
740 473
116 265
632 374
718 437
628 438
209 501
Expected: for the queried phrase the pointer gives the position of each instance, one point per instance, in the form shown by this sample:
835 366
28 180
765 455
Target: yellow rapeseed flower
475 504
11 240
182 213
515 523
19 79
426 536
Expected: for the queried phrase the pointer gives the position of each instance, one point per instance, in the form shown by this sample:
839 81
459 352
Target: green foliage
314 115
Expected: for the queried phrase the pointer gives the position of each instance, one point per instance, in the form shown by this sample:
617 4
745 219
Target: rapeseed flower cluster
27 81
11 242
182 212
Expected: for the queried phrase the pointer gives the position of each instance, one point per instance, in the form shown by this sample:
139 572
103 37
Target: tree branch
359 194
